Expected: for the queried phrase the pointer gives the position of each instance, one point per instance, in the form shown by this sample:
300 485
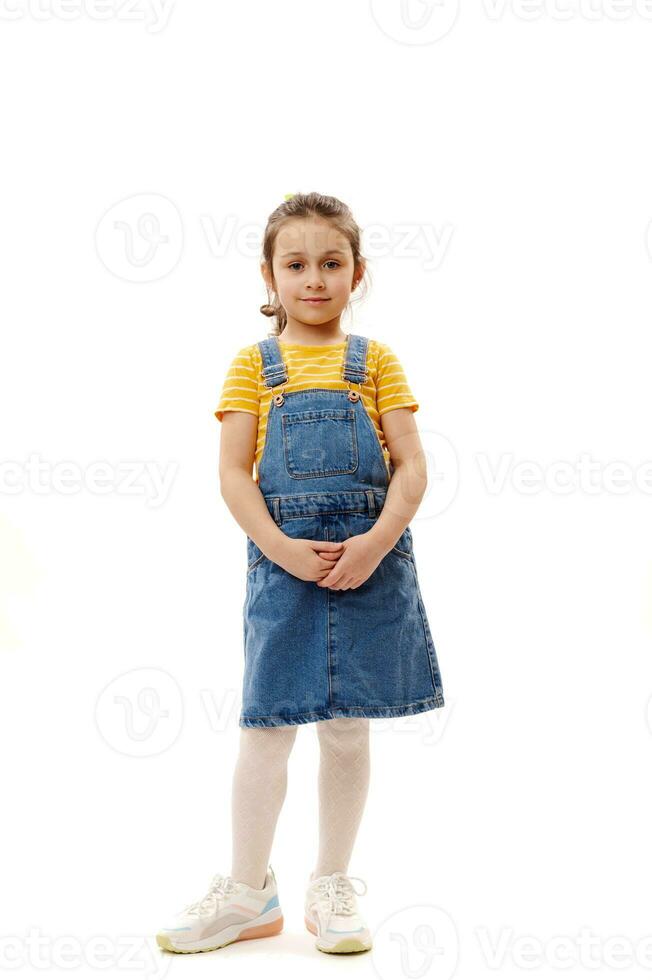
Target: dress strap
354 366
355 358
274 370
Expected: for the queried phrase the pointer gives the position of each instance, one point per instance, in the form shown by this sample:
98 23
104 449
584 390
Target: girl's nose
314 278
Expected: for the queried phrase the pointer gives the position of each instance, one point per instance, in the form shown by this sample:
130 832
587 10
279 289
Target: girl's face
312 260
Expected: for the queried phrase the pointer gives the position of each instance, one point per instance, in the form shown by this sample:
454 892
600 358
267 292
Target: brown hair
305 206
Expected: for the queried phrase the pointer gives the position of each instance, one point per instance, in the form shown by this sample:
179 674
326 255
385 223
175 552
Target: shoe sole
350 945
263 927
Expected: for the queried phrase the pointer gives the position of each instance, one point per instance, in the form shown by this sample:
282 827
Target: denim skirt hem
357 711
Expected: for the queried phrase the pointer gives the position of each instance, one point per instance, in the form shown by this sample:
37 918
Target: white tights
260 784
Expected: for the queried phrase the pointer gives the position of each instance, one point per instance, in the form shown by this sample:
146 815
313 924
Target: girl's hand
308 560
360 556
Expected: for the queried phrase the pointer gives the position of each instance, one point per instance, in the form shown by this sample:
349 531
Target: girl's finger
332 580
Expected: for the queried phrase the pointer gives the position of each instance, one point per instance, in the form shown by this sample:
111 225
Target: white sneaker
332 915
231 910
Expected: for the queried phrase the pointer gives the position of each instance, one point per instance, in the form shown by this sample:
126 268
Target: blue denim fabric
310 652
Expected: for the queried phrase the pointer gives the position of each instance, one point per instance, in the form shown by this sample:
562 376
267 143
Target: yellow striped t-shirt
319 366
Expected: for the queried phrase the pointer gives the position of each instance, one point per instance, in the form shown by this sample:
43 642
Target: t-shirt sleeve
240 389
392 388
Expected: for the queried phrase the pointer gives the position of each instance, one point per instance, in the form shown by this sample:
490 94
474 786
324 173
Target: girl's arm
237 485
409 479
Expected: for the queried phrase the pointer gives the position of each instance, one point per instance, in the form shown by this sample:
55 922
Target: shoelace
220 886
337 890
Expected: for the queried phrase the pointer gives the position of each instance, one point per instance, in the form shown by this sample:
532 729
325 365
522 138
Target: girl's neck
307 335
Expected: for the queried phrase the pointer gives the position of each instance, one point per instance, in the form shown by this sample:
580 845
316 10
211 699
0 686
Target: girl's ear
266 274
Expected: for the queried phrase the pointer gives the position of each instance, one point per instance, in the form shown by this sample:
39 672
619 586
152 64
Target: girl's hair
305 206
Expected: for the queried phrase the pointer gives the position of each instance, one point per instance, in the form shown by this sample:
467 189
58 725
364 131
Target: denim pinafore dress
311 652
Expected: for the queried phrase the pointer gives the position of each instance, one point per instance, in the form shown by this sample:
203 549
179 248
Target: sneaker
231 910
331 914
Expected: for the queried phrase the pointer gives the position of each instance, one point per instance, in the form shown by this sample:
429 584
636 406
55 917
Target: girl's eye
328 262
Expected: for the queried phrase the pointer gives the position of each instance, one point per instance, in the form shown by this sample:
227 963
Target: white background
516 137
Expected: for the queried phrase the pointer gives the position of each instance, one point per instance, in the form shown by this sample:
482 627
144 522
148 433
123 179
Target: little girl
335 629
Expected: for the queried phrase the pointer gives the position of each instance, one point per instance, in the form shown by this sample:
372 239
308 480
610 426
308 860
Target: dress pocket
403 546
320 442
254 554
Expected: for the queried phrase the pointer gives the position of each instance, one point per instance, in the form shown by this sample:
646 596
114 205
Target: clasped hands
332 564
